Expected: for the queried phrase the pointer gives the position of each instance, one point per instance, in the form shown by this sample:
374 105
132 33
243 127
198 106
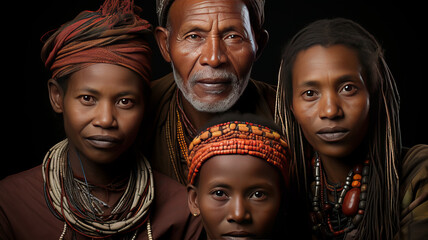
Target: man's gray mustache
212 74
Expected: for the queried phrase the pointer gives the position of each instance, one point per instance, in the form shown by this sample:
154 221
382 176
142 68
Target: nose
105 115
330 107
238 211
213 52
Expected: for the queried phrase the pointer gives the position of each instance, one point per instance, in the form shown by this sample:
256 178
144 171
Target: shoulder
261 94
263 86
414 193
163 84
166 187
170 214
23 181
23 209
414 164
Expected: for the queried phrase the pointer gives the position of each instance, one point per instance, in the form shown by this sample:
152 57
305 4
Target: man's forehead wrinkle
212 8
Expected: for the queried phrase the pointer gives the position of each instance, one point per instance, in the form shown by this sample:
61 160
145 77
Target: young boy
237 170
95 184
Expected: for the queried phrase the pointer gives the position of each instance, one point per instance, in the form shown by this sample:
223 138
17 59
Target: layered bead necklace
345 213
70 200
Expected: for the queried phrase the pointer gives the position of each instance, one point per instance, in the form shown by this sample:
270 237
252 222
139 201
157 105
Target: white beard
238 87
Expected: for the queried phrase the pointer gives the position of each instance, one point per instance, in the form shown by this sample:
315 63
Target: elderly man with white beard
211 46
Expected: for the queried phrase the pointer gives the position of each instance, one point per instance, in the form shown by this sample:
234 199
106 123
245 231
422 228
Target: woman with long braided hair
338 106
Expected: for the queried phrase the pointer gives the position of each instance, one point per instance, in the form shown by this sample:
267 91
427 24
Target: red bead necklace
351 200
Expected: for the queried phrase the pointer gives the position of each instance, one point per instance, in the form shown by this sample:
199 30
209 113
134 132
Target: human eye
258 195
125 103
233 37
219 195
87 100
193 37
309 95
348 89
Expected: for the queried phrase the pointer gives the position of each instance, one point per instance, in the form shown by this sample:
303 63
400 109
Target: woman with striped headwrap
95 183
237 177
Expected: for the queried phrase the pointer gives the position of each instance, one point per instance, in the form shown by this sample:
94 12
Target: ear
55 96
192 199
262 40
162 36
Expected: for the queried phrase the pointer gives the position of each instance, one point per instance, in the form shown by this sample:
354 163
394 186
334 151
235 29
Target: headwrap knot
112 34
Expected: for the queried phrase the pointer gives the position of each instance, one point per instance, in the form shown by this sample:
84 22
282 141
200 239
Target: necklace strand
137 197
355 187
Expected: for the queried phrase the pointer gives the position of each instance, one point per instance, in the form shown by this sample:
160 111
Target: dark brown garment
414 194
25 215
162 146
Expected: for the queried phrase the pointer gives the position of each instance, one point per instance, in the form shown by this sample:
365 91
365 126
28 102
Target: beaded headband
237 137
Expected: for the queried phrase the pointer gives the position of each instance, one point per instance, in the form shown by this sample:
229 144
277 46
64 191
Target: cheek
213 214
184 58
305 114
130 122
242 59
359 113
265 217
76 117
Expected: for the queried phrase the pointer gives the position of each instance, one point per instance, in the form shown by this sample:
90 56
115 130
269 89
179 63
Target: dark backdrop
32 127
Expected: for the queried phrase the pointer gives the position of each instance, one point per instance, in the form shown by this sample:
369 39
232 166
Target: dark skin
102 110
237 196
331 103
209 36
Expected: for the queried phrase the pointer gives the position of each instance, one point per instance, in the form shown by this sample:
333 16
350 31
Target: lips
103 141
214 86
238 235
332 134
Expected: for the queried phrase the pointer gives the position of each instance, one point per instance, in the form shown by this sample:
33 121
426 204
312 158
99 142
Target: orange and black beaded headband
237 137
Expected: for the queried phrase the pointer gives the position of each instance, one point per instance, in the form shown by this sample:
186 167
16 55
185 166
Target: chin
336 150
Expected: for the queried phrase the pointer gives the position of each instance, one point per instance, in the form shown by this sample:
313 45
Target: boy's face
237 196
103 109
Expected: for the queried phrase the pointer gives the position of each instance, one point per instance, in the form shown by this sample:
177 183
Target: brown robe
414 194
162 146
25 215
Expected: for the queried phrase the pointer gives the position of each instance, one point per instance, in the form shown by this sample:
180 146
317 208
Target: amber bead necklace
349 200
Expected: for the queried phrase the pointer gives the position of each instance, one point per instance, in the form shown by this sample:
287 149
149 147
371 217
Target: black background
30 127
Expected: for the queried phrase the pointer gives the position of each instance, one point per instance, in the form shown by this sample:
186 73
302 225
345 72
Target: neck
97 173
337 168
197 118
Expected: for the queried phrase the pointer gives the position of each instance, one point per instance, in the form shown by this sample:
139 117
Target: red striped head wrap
113 34
236 137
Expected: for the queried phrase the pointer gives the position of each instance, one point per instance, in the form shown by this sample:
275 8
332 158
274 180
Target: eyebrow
219 184
338 81
120 94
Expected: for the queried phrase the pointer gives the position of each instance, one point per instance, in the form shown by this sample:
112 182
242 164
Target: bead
337 205
358 169
357 177
362 205
356 184
365 171
326 207
363 187
363 196
351 201
357 219
361 212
